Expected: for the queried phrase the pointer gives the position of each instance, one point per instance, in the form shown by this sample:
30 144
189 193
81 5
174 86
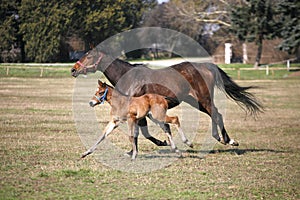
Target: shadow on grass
235 151
193 153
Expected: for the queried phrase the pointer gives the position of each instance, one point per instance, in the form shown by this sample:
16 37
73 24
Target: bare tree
201 19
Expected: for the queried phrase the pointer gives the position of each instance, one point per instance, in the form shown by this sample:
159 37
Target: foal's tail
239 94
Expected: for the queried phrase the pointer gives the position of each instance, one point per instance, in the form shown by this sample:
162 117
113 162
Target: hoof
129 153
190 144
85 154
175 150
164 143
222 141
133 157
233 143
179 153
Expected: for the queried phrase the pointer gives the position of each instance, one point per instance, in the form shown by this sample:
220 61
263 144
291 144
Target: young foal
131 109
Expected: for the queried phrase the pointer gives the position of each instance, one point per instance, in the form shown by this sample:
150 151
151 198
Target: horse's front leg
144 128
108 129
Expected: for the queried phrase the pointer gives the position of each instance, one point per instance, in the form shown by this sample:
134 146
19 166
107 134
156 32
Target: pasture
40 148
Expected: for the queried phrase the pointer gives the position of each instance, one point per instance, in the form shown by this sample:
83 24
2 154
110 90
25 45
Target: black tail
239 94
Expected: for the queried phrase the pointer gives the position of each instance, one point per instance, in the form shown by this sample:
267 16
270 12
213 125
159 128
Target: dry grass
40 148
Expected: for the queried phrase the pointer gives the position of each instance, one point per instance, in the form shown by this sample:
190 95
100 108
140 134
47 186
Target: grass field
40 148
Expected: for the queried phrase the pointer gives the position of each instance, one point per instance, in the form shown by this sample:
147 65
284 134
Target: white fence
66 67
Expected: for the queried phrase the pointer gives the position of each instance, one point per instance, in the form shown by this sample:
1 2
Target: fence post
42 70
7 71
288 65
267 70
239 73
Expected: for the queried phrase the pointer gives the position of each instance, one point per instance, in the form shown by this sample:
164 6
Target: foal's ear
100 83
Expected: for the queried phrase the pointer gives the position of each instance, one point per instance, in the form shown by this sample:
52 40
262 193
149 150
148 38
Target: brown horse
189 82
131 109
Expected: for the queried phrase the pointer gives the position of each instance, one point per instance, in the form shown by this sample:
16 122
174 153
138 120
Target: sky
161 1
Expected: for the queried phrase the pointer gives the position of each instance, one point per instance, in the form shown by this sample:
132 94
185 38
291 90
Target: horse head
87 63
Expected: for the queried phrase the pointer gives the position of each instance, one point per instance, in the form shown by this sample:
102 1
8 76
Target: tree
43 26
254 22
97 20
205 21
289 31
196 18
9 37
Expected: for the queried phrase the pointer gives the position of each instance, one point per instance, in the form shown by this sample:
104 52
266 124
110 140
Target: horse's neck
116 70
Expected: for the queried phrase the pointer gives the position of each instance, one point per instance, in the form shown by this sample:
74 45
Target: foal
131 109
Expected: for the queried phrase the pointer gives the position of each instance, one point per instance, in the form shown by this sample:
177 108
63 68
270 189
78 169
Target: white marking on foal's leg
183 138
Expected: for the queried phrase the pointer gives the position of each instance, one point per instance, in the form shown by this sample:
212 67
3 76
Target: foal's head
100 95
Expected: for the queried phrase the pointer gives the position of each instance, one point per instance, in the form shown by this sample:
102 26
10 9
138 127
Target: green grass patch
34 71
40 151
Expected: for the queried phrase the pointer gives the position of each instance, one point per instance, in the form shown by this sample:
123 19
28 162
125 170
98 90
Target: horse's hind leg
217 119
225 136
170 138
206 108
175 120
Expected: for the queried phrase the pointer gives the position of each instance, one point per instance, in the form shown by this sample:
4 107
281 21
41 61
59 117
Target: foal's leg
131 126
172 143
167 131
144 128
175 120
108 129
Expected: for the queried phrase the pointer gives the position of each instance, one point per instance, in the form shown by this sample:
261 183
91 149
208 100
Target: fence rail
41 68
66 67
267 70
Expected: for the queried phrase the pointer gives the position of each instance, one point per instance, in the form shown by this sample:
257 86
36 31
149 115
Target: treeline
40 28
38 31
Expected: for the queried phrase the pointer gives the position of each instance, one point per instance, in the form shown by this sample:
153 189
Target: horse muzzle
93 103
74 72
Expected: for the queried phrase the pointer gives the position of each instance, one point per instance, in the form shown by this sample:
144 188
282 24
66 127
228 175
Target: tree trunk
245 54
259 50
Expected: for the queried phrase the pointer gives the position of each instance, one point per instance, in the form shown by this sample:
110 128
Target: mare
192 83
131 109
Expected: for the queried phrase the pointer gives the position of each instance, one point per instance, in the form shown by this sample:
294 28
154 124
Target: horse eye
99 92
